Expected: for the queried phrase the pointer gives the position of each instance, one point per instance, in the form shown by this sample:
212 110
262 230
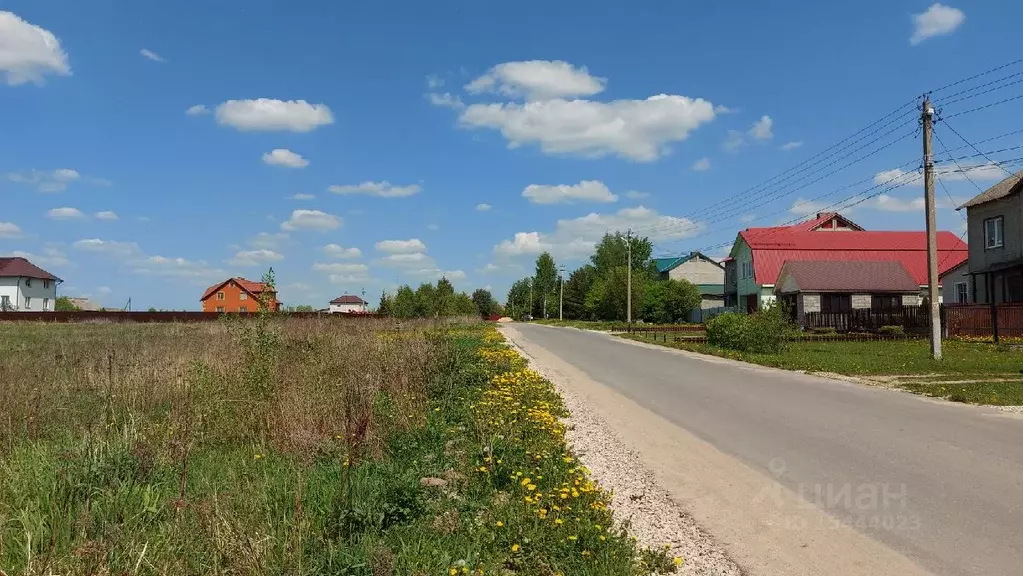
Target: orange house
238 295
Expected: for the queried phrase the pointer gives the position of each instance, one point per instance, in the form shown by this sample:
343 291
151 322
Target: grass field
986 373
268 446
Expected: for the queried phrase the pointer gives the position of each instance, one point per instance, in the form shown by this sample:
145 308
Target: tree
613 249
444 298
64 304
576 287
462 305
669 301
304 308
386 305
484 301
518 298
404 305
545 283
426 301
606 299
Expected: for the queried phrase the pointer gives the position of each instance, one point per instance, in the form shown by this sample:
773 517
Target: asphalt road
940 483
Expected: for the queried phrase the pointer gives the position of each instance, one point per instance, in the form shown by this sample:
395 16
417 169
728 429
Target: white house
26 287
348 304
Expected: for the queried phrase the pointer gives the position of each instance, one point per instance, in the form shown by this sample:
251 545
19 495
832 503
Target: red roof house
239 295
760 253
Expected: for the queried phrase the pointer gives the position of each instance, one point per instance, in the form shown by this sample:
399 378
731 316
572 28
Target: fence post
943 314
994 321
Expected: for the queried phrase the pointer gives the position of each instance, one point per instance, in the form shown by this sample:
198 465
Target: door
751 303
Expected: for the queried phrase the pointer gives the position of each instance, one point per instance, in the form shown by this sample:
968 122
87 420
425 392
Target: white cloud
197 270
445 100
947 172
636 195
638 130
891 204
339 268
265 114
382 189
336 251
65 213
284 157
301 196
51 256
254 257
761 129
111 247
804 207
197 110
433 81
576 237
453 274
702 165
106 215
483 207
498 268
268 240
407 260
538 80
48 180
747 218
311 220
938 20
146 53
788 146
432 227
401 246
9 230
28 52
734 141
584 191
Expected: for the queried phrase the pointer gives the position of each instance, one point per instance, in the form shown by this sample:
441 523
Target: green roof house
706 273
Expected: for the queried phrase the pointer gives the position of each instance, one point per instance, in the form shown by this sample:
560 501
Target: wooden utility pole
927 120
628 301
561 297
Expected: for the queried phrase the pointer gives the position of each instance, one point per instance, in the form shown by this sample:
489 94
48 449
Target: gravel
653 517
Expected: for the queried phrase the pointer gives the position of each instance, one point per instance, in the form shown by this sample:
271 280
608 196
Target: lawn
600 324
987 364
290 446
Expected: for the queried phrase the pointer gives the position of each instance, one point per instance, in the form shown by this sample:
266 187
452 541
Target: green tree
64 304
444 298
426 301
613 251
484 301
669 301
545 284
405 305
518 298
462 305
304 308
385 308
607 298
577 286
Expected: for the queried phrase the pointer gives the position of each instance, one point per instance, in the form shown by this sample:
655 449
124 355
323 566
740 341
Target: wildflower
453 571
573 538
677 561
515 548
499 524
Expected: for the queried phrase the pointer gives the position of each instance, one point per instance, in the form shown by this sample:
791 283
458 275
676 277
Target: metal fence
910 318
983 320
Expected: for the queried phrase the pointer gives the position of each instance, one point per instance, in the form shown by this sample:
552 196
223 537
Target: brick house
844 286
238 295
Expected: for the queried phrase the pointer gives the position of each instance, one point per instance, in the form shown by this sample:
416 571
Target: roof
711 289
774 246
84 304
666 264
254 288
1006 187
18 266
845 276
348 299
954 268
821 219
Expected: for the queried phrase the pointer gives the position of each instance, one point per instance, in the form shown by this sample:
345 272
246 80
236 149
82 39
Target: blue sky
148 149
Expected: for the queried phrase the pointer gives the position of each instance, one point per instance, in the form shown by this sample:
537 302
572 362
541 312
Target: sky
150 149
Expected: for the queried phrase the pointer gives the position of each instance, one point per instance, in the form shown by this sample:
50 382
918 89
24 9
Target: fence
911 318
983 320
147 317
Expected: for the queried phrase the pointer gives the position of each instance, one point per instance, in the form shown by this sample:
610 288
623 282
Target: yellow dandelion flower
515 548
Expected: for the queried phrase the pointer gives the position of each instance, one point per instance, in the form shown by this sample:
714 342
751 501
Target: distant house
83 303
25 286
348 304
844 286
995 228
760 253
706 273
238 295
956 284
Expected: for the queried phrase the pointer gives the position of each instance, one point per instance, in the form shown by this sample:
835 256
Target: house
706 273
348 304
956 284
760 253
84 304
239 295
995 228
25 286
844 285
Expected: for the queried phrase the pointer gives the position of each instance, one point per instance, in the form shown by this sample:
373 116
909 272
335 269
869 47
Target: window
46 284
993 232
28 281
243 310
5 303
836 303
220 308
747 269
961 293
243 296
886 302
220 295
28 303
46 304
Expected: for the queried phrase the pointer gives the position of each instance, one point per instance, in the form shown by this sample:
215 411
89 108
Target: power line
986 106
993 82
965 175
979 75
949 126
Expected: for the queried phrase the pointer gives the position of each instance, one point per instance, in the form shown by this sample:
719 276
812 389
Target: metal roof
845 276
1004 188
18 266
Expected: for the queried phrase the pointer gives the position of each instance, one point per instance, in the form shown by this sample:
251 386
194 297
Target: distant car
528 318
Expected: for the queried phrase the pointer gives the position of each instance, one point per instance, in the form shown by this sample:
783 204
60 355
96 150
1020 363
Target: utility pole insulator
927 122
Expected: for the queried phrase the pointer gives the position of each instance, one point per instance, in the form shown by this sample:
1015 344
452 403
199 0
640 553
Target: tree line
437 300
598 290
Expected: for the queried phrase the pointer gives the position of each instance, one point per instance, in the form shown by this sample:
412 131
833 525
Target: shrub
765 331
726 330
891 330
828 330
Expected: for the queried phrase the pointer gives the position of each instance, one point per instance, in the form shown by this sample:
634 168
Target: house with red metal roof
239 295
25 286
759 255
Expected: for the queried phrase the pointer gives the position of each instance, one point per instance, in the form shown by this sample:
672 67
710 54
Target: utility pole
927 120
530 297
628 301
561 298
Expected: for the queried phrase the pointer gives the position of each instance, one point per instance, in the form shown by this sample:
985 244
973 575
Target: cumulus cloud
46 180
106 215
197 110
538 80
301 196
284 157
638 130
584 191
445 100
336 251
382 189
269 240
789 146
149 54
636 195
734 141
28 52
175 267
937 20
947 172
51 256
702 165
401 246
433 81
804 207
576 237
311 220
339 268
65 213
761 129
483 207
256 257
110 247
265 114
9 230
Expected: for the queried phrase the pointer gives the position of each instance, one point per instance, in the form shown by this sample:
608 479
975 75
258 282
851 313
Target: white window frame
243 296
747 270
5 301
46 304
28 302
220 295
964 296
996 240
220 309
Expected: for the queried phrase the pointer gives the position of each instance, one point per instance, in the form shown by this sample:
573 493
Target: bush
828 330
765 331
891 330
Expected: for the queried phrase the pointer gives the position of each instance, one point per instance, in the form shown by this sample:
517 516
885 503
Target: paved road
939 483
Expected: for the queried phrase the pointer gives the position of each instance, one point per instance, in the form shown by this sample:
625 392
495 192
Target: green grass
994 393
596 324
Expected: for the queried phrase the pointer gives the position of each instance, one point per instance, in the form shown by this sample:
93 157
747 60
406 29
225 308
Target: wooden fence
983 320
659 329
147 317
910 318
